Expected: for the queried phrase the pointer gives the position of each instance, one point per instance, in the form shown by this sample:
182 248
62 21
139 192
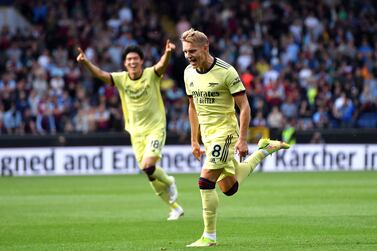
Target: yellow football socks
246 167
161 190
210 202
162 176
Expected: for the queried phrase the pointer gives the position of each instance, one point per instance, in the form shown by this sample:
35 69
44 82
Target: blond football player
214 87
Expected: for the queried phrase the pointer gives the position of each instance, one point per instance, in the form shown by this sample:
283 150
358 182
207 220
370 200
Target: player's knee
206 184
232 190
149 171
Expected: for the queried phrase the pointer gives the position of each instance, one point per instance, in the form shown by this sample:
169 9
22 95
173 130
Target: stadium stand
312 62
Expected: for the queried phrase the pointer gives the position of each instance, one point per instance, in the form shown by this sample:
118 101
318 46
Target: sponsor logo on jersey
135 93
205 94
236 81
205 97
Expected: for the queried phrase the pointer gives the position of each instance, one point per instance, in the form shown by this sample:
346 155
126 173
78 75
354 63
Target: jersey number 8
216 150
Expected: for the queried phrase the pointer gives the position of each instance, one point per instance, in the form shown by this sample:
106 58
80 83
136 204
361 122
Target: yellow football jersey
212 95
141 99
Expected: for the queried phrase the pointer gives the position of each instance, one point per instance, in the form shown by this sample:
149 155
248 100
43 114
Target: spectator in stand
81 121
29 125
321 118
39 82
179 126
22 103
174 94
304 121
367 99
12 120
45 122
274 93
275 118
289 108
343 111
259 120
57 107
116 120
183 126
7 82
317 138
102 118
259 105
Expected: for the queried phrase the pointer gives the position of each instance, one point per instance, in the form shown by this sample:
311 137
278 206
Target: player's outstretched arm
243 105
194 123
94 70
162 64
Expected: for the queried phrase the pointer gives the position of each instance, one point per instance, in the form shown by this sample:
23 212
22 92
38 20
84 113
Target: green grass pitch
272 211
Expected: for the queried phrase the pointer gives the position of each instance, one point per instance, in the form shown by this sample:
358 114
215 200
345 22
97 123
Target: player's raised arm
162 64
94 70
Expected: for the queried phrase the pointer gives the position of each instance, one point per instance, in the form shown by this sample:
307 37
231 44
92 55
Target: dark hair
132 48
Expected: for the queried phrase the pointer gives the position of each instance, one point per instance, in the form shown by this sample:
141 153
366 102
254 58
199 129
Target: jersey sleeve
153 73
150 71
233 81
187 84
118 78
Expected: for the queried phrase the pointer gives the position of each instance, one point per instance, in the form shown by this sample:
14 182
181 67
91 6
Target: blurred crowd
307 64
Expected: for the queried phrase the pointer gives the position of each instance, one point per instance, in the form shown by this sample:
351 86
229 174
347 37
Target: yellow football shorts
148 145
220 154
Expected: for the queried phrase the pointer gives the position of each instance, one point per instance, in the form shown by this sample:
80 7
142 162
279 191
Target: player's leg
227 180
228 183
160 188
153 171
163 185
176 211
154 143
153 151
265 148
219 153
210 202
245 168
222 155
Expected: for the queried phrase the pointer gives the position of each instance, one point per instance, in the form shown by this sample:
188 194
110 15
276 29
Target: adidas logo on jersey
191 84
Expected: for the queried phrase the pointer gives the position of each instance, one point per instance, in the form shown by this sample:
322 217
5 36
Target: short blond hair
194 36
